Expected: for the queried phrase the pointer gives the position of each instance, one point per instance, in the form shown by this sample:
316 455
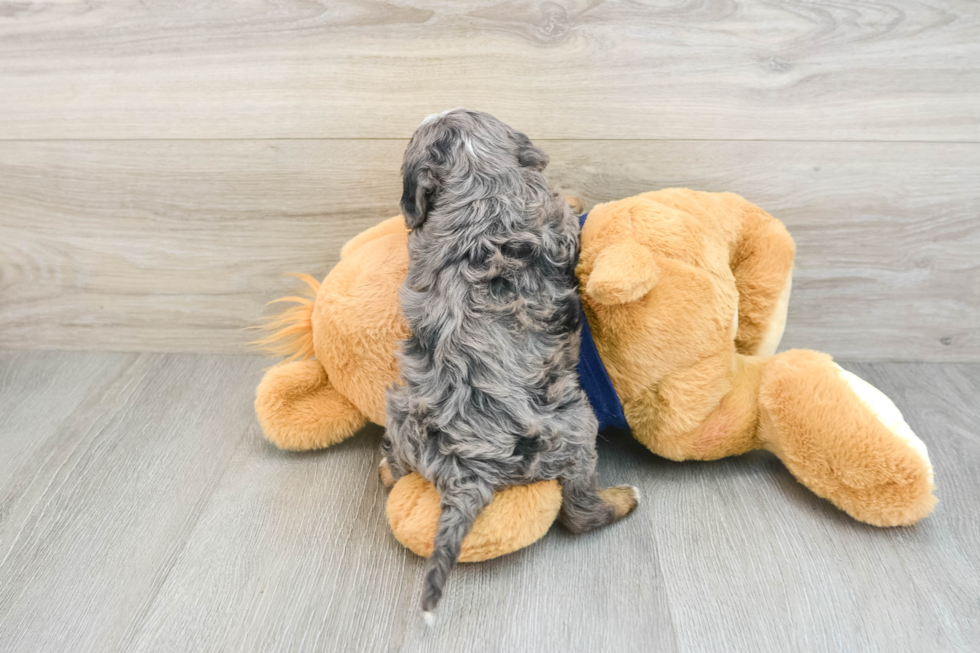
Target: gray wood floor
141 510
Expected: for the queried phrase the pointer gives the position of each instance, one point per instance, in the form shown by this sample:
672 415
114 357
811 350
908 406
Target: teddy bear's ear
622 273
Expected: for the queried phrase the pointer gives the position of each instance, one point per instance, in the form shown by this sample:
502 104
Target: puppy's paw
623 499
384 471
576 204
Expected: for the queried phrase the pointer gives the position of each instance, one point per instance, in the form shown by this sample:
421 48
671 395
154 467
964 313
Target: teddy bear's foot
299 409
844 439
517 517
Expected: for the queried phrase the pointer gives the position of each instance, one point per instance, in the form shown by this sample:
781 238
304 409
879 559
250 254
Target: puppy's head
454 153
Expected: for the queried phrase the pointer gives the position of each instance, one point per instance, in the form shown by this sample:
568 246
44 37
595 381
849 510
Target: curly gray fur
489 395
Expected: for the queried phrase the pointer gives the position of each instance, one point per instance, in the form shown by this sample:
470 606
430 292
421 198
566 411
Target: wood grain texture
176 245
756 562
154 518
98 505
887 70
315 567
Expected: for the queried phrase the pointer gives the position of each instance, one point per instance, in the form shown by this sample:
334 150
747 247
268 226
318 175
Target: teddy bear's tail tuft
290 333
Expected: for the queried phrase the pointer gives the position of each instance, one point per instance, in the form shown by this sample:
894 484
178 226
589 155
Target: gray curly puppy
489 395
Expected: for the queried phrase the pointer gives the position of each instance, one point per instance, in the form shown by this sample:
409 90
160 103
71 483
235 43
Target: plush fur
518 516
685 317
690 385
489 396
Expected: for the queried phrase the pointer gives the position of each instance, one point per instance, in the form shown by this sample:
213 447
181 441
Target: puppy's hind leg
388 469
396 442
584 506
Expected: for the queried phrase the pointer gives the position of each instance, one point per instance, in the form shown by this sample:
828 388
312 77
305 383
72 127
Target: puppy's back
491 303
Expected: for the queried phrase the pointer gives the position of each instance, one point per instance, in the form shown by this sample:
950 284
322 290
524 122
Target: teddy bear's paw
299 409
887 413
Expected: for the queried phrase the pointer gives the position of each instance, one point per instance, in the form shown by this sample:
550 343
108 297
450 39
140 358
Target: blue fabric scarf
595 381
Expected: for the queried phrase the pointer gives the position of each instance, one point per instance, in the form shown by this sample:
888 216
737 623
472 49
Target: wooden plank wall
162 164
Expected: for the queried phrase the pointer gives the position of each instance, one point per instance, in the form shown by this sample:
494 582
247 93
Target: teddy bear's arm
762 263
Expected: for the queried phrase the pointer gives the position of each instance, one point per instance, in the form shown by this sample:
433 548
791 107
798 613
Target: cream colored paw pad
887 413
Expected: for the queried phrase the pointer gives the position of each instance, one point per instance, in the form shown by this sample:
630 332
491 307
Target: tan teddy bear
685 294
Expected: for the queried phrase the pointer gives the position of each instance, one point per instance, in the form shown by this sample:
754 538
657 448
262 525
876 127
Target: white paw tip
887 413
636 492
428 618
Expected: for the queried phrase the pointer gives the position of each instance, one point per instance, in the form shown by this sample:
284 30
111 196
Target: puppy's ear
530 156
418 185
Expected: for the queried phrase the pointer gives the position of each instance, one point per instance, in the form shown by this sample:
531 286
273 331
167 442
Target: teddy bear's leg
844 439
299 409
706 412
762 263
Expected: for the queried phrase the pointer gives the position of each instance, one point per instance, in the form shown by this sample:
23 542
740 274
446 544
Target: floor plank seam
47 490
138 624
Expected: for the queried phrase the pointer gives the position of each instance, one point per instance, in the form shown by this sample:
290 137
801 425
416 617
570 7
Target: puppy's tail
459 511
290 333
